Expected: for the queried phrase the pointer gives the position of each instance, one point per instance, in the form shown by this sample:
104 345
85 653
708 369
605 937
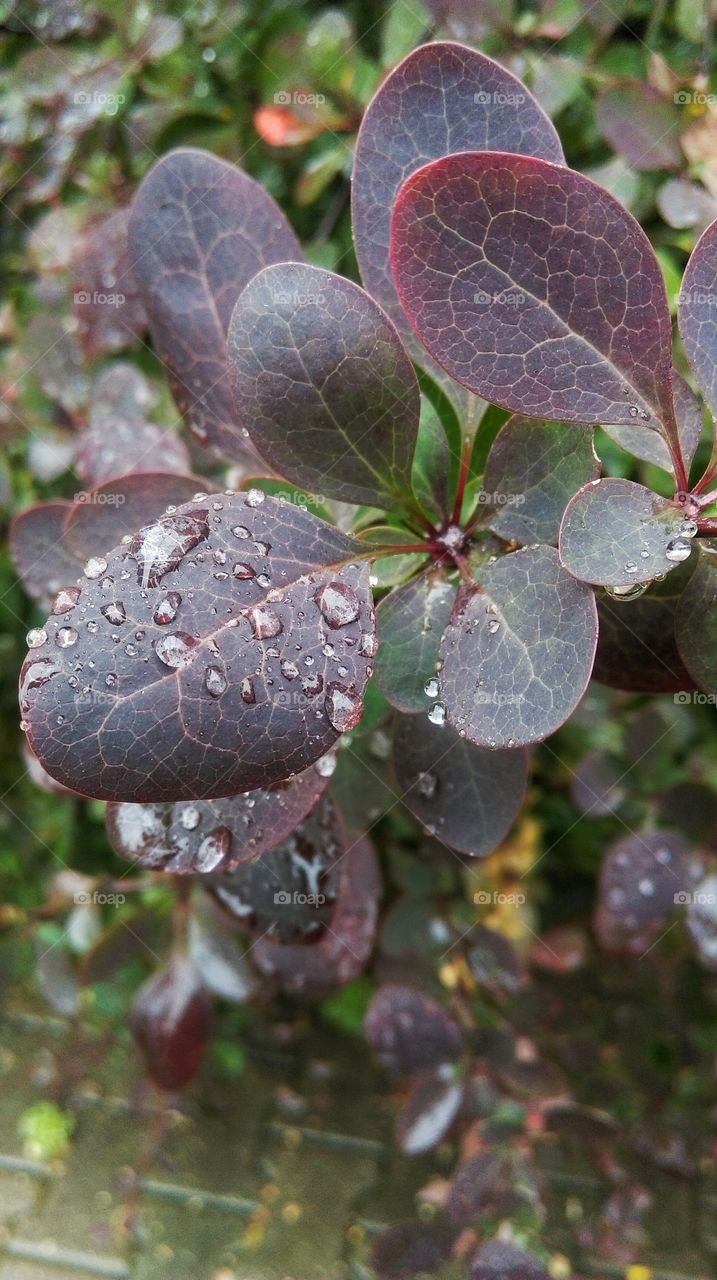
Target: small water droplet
493 626
431 688
215 681
290 670
343 707
66 637
629 592
36 637
254 498
243 571
338 603
246 690
325 766
240 531
264 622
427 785
190 817
437 713
678 550
213 849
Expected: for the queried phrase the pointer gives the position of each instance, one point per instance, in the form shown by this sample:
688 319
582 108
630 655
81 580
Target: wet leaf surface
323 386
343 951
212 835
616 533
533 287
108 305
409 624
649 446
466 796
439 99
222 649
43 562
532 472
119 436
518 653
104 515
199 230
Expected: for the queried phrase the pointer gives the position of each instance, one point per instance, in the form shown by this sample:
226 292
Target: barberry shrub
200 671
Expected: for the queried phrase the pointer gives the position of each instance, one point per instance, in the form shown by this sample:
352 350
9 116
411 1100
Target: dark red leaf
643 877
410 621
597 786
696 623
199 230
616 533
43 562
641 125
226 647
494 961
696 314
533 287
101 517
637 649
119 436
531 473
443 97
171 1021
108 306
477 1189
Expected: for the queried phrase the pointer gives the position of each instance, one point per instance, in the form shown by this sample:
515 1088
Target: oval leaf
641 125
534 288
697 313
409 623
323 385
204 657
103 516
616 533
518 652
642 878
409 1031
199 230
212 835
532 472
44 564
443 97
464 795
171 1021
428 1112
650 447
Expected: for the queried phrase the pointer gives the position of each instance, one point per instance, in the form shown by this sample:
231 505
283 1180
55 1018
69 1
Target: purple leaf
409 1031
534 288
43 562
531 473
224 648
642 878
696 311
323 385
477 1189
443 97
637 649
494 962
101 517
428 1112
119 437
171 1021
409 623
500 1260
212 835
108 306
199 230
616 533
411 1248
343 951
696 623
596 788
641 125
464 795
517 655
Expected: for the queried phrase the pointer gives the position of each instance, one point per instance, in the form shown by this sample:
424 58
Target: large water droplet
175 650
264 622
241 532
431 688
243 571
678 550
254 498
66 600
190 817
36 637
114 613
66 637
338 603
166 610
437 713
95 567
629 592
343 707
247 691
162 546
289 670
